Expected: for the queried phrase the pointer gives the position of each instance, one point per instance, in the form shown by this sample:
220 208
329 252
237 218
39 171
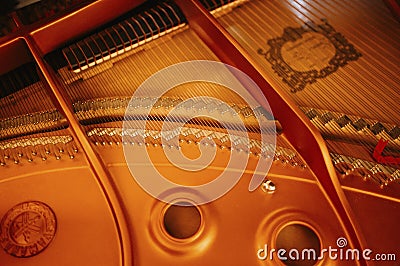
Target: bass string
178 50
363 74
324 99
370 147
28 101
255 32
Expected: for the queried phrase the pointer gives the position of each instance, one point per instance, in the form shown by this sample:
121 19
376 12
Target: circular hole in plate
301 242
182 220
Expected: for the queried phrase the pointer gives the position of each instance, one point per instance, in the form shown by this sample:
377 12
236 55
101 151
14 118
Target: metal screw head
268 186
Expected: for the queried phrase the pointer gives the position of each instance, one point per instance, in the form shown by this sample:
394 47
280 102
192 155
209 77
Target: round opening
301 245
182 220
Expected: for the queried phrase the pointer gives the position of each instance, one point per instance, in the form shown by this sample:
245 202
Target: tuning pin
28 155
282 159
298 161
57 154
115 139
74 148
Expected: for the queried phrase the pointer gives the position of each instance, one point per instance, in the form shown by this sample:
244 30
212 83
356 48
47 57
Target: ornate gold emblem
303 55
27 229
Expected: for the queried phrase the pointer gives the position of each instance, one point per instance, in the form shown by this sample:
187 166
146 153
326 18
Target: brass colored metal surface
329 70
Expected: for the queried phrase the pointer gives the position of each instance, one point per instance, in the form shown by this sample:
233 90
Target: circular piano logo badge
27 229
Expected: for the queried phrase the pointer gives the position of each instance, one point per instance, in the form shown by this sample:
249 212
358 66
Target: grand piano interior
79 135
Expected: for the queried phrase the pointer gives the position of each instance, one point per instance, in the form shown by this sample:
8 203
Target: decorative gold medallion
303 55
27 229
